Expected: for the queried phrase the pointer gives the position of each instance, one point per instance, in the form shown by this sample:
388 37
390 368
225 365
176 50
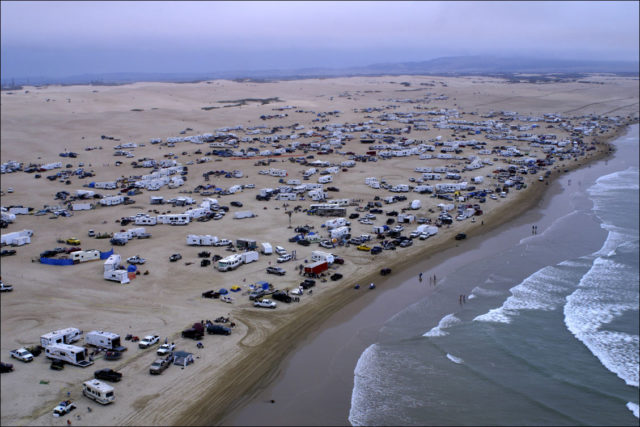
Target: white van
280 250
98 391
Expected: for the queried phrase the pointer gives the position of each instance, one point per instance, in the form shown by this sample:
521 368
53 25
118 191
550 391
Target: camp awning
235 288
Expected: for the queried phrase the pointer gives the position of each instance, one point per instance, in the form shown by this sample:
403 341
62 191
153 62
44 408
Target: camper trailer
106 340
416 204
287 196
266 248
145 220
63 336
174 219
322 256
201 240
83 256
335 223
82 206
121 276
325 179
340 232
249 256
112 200
71 354
98 391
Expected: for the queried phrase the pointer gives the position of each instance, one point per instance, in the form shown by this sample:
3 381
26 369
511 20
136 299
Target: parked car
236 204
385 271
148 341
256 294
280 250
8 252
406 243
108 374
338 260
211 294
213 329
336 276
5 288
304 242
112 355
276 270
266 303
165 349
159 365
136 259
193 333
284 258
363 248
460 236
175 257
281 296
63 408
376 250
223 242
326 244
21 354
5 367
307 283
73 241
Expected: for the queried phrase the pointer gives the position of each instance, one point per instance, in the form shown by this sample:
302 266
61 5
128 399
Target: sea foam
446 322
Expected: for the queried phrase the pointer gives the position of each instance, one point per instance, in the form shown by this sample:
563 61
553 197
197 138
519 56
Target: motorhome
63 336
338 233
71 354
325 179
102 339
98 391
230 263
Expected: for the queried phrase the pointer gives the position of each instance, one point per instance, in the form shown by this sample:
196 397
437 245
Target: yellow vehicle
73 241
363 248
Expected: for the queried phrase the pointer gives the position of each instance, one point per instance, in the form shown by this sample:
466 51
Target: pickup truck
266 303
63 408
223 242
108 375
159 365
165 349
148 341
21 354
136 259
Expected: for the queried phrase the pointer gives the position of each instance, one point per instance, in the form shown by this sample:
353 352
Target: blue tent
131 268
223 291
264 285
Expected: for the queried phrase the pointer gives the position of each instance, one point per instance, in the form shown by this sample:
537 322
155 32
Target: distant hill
459 65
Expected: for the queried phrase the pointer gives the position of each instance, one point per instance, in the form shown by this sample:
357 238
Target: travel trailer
322 256
71 354
174 219
102 339
63 336
266 248
83 256
201 240
98 391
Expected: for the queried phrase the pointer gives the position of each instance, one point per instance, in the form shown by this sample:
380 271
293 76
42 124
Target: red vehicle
316 267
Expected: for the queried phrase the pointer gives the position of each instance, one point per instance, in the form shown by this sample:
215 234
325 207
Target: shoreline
237 398
229 371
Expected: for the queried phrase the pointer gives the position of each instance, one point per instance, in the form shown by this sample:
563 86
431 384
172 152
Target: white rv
121 276
335 223
339 232
249 256
201 240
145 220
71 354
416 204
266 248
287 196
102 339
82 206
230 263
82 256
174 219
111 200
325 179
63 336
98 391
322 256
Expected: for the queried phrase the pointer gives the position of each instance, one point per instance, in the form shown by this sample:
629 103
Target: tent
264 285
182 358
131 268
235 288
223 291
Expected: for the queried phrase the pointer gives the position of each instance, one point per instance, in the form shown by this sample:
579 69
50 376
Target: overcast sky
59 39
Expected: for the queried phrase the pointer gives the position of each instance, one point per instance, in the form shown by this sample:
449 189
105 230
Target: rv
102 339
249 256
63 336
82 256
174 219
322 256
71 354
98 391
82 206
416 204
121 276
340 232
335 223
266 248
325 179
145 220
230 263
201 240
287 196
243 214
111 200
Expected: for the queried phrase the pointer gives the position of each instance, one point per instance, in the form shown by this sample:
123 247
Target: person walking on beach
420 277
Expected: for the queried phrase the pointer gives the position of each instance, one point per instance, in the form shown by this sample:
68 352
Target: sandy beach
39 123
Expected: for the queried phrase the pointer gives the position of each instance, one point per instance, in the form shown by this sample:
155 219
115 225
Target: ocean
547 334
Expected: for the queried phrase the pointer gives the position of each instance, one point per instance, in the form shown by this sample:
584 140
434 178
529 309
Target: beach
315 385
39 123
